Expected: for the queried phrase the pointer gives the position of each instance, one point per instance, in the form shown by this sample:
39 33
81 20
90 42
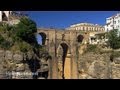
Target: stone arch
66 42
65 49
43 35
64 62
80 38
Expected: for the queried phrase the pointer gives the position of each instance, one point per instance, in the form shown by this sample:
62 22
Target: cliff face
98 66
17 65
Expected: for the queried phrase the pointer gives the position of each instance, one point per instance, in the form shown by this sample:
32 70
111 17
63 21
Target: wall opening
80 38
4 17
64 65
42 38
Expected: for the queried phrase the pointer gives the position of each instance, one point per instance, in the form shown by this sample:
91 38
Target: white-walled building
90 28
11 17
113 22
4 15
86 27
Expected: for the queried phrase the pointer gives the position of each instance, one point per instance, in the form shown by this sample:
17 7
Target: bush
116 53
92 48
1 39
113 39
24 47
4 43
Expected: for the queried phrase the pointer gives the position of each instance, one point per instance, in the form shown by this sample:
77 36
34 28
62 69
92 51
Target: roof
88 24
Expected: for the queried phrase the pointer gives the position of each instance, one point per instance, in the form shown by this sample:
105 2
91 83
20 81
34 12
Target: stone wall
98 66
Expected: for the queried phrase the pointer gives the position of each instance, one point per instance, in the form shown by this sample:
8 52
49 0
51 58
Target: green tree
114 43
24 47
4 43
113 39
1 39
26 30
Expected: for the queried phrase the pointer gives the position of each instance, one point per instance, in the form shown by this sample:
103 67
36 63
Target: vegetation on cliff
21 38
114 39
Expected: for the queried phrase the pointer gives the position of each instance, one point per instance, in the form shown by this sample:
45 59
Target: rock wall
16 65
98 66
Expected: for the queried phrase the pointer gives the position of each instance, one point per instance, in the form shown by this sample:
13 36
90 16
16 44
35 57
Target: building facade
92 29
113 22
4 15
11 17
86 27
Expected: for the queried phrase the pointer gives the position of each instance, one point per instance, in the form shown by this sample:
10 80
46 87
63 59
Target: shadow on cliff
35 64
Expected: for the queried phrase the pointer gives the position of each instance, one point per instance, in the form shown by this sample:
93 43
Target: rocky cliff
17 65
98 66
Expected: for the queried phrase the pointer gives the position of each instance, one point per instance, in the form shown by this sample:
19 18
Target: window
118 21
90 28
95 29
81 28
114 22
86 28
111 25
76 28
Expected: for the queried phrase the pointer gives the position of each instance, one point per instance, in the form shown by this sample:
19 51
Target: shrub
113 39
91 48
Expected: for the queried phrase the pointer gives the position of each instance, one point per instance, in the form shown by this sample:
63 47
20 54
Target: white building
113 22
90 28
86 27
11 17
4 15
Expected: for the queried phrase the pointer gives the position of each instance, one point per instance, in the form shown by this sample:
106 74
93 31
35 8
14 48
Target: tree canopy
114 39
26 30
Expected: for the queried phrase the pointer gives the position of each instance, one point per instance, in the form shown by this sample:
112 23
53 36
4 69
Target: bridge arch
43 36
65 50
80 38
64 62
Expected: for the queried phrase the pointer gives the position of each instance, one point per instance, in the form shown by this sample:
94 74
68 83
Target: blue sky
63 19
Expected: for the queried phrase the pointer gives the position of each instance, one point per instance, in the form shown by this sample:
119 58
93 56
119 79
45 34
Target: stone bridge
63 47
